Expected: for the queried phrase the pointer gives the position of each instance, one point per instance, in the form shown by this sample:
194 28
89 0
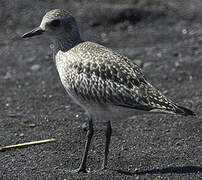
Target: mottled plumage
103 82
92 73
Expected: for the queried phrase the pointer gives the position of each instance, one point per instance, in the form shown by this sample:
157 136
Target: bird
103 82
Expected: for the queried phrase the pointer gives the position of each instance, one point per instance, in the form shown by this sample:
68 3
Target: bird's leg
82 167
108 134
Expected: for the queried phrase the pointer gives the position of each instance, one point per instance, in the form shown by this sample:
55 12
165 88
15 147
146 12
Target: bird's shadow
173 170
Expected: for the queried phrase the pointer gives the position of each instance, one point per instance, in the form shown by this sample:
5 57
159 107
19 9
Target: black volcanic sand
164 38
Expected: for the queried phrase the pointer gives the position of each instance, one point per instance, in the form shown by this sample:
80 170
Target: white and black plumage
104 83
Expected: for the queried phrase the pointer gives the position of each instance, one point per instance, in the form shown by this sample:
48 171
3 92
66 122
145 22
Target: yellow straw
27 144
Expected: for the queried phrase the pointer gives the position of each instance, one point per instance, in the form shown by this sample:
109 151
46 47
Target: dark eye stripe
55 23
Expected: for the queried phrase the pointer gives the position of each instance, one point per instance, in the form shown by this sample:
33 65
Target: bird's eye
55 23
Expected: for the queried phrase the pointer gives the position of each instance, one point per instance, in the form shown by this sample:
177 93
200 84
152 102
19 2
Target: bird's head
56 24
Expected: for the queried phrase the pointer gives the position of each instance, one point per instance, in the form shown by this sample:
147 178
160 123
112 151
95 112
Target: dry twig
27 144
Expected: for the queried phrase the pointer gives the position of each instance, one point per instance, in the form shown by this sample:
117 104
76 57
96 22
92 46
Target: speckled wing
94 73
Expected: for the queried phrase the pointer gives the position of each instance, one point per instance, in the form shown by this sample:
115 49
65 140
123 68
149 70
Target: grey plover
103 82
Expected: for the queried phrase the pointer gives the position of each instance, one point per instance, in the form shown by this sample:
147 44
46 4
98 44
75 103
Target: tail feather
184 111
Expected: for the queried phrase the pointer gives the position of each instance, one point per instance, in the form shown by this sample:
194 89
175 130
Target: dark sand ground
164 37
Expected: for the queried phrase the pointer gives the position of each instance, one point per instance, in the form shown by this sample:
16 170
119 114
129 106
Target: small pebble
177 64
159 55
50 96
35 67
32 125
184 31
190 78
67 107
21 135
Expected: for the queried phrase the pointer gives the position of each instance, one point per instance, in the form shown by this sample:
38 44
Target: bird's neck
66 43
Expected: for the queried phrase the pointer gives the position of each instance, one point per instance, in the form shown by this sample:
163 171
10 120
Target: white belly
106 112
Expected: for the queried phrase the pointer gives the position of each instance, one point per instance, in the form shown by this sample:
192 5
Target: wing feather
97 74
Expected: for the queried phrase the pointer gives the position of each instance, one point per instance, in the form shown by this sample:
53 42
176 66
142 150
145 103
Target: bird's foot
80 169
100 170
104 166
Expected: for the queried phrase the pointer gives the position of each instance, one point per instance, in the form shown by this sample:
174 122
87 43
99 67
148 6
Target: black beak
34 32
